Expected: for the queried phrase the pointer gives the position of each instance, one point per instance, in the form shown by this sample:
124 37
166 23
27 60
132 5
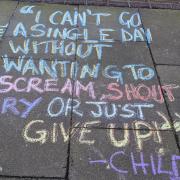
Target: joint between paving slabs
71 119
160 64
121 129
30 177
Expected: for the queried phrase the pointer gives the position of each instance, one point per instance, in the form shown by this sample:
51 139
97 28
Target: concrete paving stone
20 178
167 1
32 144
28 17
170 75
118 0
165 33
175 114
51 178
19 158
105 158
139 0
7 7
112 24
116 57
49 88
164 1
6 11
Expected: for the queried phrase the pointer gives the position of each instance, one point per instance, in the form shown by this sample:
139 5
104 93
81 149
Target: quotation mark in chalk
27 10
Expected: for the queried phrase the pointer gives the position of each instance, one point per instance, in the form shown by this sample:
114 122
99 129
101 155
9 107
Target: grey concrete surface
88 92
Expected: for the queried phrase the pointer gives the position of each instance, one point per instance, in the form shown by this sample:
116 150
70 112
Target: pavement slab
79 95
165 33
6 10
5 178
31 143
21 178
37 31
21 157
170 74
48 15
174 110
95 155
